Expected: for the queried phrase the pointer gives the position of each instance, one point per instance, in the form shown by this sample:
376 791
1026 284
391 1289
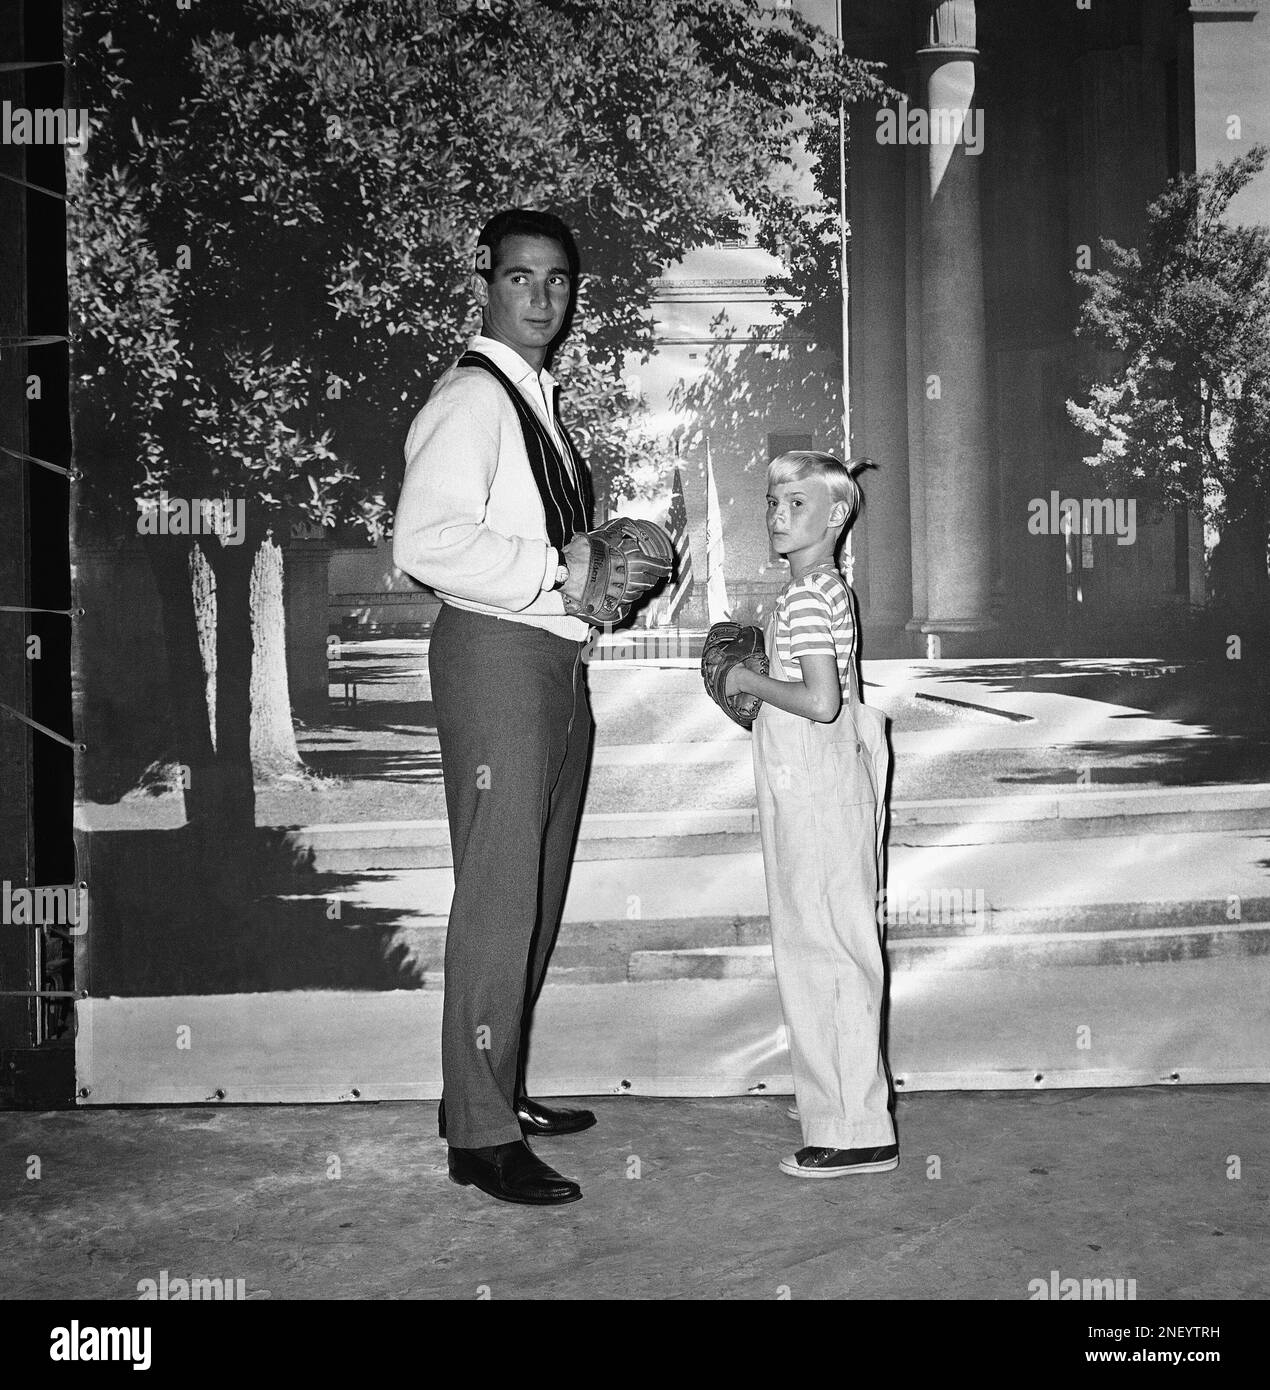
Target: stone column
955 409
878 374
914 396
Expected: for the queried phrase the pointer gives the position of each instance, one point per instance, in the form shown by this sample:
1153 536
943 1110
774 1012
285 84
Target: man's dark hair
522 222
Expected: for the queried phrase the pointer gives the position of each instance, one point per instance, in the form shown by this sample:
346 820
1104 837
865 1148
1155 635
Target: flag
716 585
681 580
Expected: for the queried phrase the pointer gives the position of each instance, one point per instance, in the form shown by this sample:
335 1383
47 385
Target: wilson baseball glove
627 558
728 645
649 551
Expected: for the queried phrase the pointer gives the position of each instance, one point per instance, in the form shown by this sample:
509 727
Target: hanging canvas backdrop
893 231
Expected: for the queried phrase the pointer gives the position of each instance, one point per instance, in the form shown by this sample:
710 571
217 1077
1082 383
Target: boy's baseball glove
628 557
728 645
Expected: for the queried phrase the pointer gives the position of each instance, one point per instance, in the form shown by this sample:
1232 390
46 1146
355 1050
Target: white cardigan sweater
470 521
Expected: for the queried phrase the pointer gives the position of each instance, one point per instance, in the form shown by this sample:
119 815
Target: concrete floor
682 1199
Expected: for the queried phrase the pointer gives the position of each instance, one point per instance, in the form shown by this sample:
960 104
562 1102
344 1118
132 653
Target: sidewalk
960 731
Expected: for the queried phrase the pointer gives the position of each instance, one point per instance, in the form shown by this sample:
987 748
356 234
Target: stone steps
699 831
1034 949
615 952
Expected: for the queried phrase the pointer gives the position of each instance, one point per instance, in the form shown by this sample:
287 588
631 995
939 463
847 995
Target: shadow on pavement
1171 762
1224 698
173 912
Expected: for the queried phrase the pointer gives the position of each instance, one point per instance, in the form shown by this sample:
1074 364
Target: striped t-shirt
813 617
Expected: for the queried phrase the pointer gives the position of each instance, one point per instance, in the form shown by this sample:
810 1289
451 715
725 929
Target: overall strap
566 505
855 685
855 680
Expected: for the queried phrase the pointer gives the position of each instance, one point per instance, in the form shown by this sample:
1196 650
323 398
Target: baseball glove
649 552
627 559
728 645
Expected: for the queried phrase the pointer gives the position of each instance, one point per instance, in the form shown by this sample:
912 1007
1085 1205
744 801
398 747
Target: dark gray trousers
515 728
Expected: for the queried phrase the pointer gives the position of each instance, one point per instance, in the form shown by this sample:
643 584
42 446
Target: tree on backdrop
274 219
1184 418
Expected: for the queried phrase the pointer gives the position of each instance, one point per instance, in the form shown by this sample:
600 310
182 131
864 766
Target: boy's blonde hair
839 477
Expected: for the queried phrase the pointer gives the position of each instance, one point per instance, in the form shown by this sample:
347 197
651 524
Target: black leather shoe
512 1173
537 1121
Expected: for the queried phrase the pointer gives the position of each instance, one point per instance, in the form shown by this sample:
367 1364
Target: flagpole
842 256
711 522
844 277
717 608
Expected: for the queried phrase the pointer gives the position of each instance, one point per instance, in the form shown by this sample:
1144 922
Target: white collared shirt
470 522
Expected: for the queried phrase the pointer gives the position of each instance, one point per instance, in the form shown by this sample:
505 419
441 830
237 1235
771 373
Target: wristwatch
562 574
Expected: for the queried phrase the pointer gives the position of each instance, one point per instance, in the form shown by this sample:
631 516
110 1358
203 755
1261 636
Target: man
494 500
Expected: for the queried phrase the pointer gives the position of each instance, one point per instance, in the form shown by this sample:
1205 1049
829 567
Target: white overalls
821 805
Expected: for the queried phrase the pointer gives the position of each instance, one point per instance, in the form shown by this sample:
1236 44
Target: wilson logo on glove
628 557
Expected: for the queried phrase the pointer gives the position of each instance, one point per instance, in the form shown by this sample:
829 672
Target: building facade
1027 134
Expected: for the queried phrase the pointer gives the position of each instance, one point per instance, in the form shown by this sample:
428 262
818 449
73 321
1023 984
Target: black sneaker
837 1163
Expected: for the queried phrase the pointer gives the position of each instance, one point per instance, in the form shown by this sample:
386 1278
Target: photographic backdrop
1015 255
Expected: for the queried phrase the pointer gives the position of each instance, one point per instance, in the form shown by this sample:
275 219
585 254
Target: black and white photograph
635 660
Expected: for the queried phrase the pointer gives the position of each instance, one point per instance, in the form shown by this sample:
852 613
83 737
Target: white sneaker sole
792 1112
791 1166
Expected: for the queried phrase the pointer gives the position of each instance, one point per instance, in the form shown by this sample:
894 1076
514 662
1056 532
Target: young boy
820 765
